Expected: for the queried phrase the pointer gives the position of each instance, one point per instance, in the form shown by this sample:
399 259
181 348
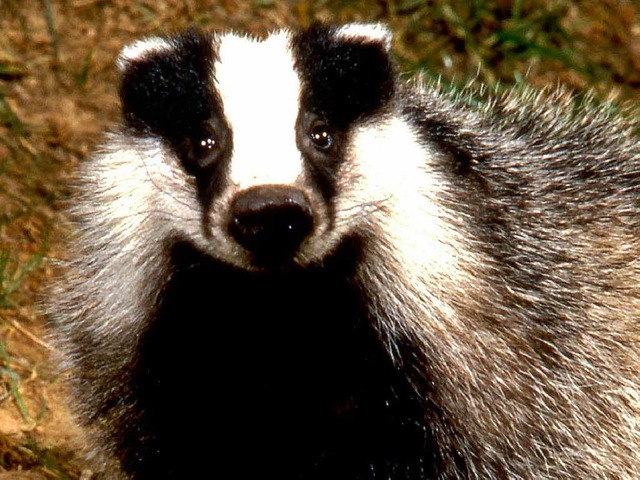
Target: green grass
17 205
493 37
13 273
12 378
30 456
18 200
8 116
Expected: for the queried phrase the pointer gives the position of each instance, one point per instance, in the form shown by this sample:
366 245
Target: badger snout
271 222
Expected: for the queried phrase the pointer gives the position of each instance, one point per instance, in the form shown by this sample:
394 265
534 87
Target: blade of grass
9 117
533 48
10 72
516 10
14 383
12 275
53 32
83 75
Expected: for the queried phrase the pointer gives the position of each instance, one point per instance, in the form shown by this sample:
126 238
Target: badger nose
271 221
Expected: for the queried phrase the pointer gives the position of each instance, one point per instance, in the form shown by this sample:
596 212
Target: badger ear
347 72
166 83
366 33
143 80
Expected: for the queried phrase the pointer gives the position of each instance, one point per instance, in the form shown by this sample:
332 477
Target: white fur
413 228
138 50
369 32
260 91
125 180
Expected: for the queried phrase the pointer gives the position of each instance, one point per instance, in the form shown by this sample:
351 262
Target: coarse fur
465 305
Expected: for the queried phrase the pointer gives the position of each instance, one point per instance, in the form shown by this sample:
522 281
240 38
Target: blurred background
58 93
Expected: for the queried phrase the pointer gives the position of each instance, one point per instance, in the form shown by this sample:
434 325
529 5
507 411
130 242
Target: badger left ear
366 33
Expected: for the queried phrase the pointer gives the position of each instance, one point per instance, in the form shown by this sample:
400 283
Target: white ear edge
140 49
368 32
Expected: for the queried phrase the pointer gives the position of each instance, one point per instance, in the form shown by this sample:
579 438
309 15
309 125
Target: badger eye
321 136
204 148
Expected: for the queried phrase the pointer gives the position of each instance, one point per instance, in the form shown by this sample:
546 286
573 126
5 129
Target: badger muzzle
271 222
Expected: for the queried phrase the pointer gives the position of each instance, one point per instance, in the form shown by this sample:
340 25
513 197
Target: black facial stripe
342 79
320 165
169 93
465 150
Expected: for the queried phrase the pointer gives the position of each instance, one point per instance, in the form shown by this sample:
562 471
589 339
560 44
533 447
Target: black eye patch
343 78
168 92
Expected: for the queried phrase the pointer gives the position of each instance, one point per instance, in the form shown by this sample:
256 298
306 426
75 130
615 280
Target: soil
58 93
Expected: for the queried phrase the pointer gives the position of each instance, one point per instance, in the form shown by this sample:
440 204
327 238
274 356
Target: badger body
376 279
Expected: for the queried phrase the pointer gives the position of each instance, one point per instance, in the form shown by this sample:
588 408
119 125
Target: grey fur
524 327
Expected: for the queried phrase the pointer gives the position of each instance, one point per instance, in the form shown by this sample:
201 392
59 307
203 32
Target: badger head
250 145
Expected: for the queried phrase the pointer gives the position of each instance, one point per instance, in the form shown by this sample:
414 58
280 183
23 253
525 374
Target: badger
289 262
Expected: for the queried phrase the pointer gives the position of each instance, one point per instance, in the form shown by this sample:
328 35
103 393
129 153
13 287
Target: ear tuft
140 50
367 33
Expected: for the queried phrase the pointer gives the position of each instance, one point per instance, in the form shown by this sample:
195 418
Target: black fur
343 79
168 92
301 387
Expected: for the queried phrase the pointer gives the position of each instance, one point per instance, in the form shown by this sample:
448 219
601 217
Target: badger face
248 144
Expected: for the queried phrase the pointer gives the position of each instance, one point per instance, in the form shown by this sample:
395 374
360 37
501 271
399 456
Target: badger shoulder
540 306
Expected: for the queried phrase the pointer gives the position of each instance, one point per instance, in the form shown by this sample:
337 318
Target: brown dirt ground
65 95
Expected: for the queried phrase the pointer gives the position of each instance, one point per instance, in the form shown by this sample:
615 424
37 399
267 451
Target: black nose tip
271 221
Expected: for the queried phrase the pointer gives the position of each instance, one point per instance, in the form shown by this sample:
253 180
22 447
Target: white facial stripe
394 168
260 90
140 49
